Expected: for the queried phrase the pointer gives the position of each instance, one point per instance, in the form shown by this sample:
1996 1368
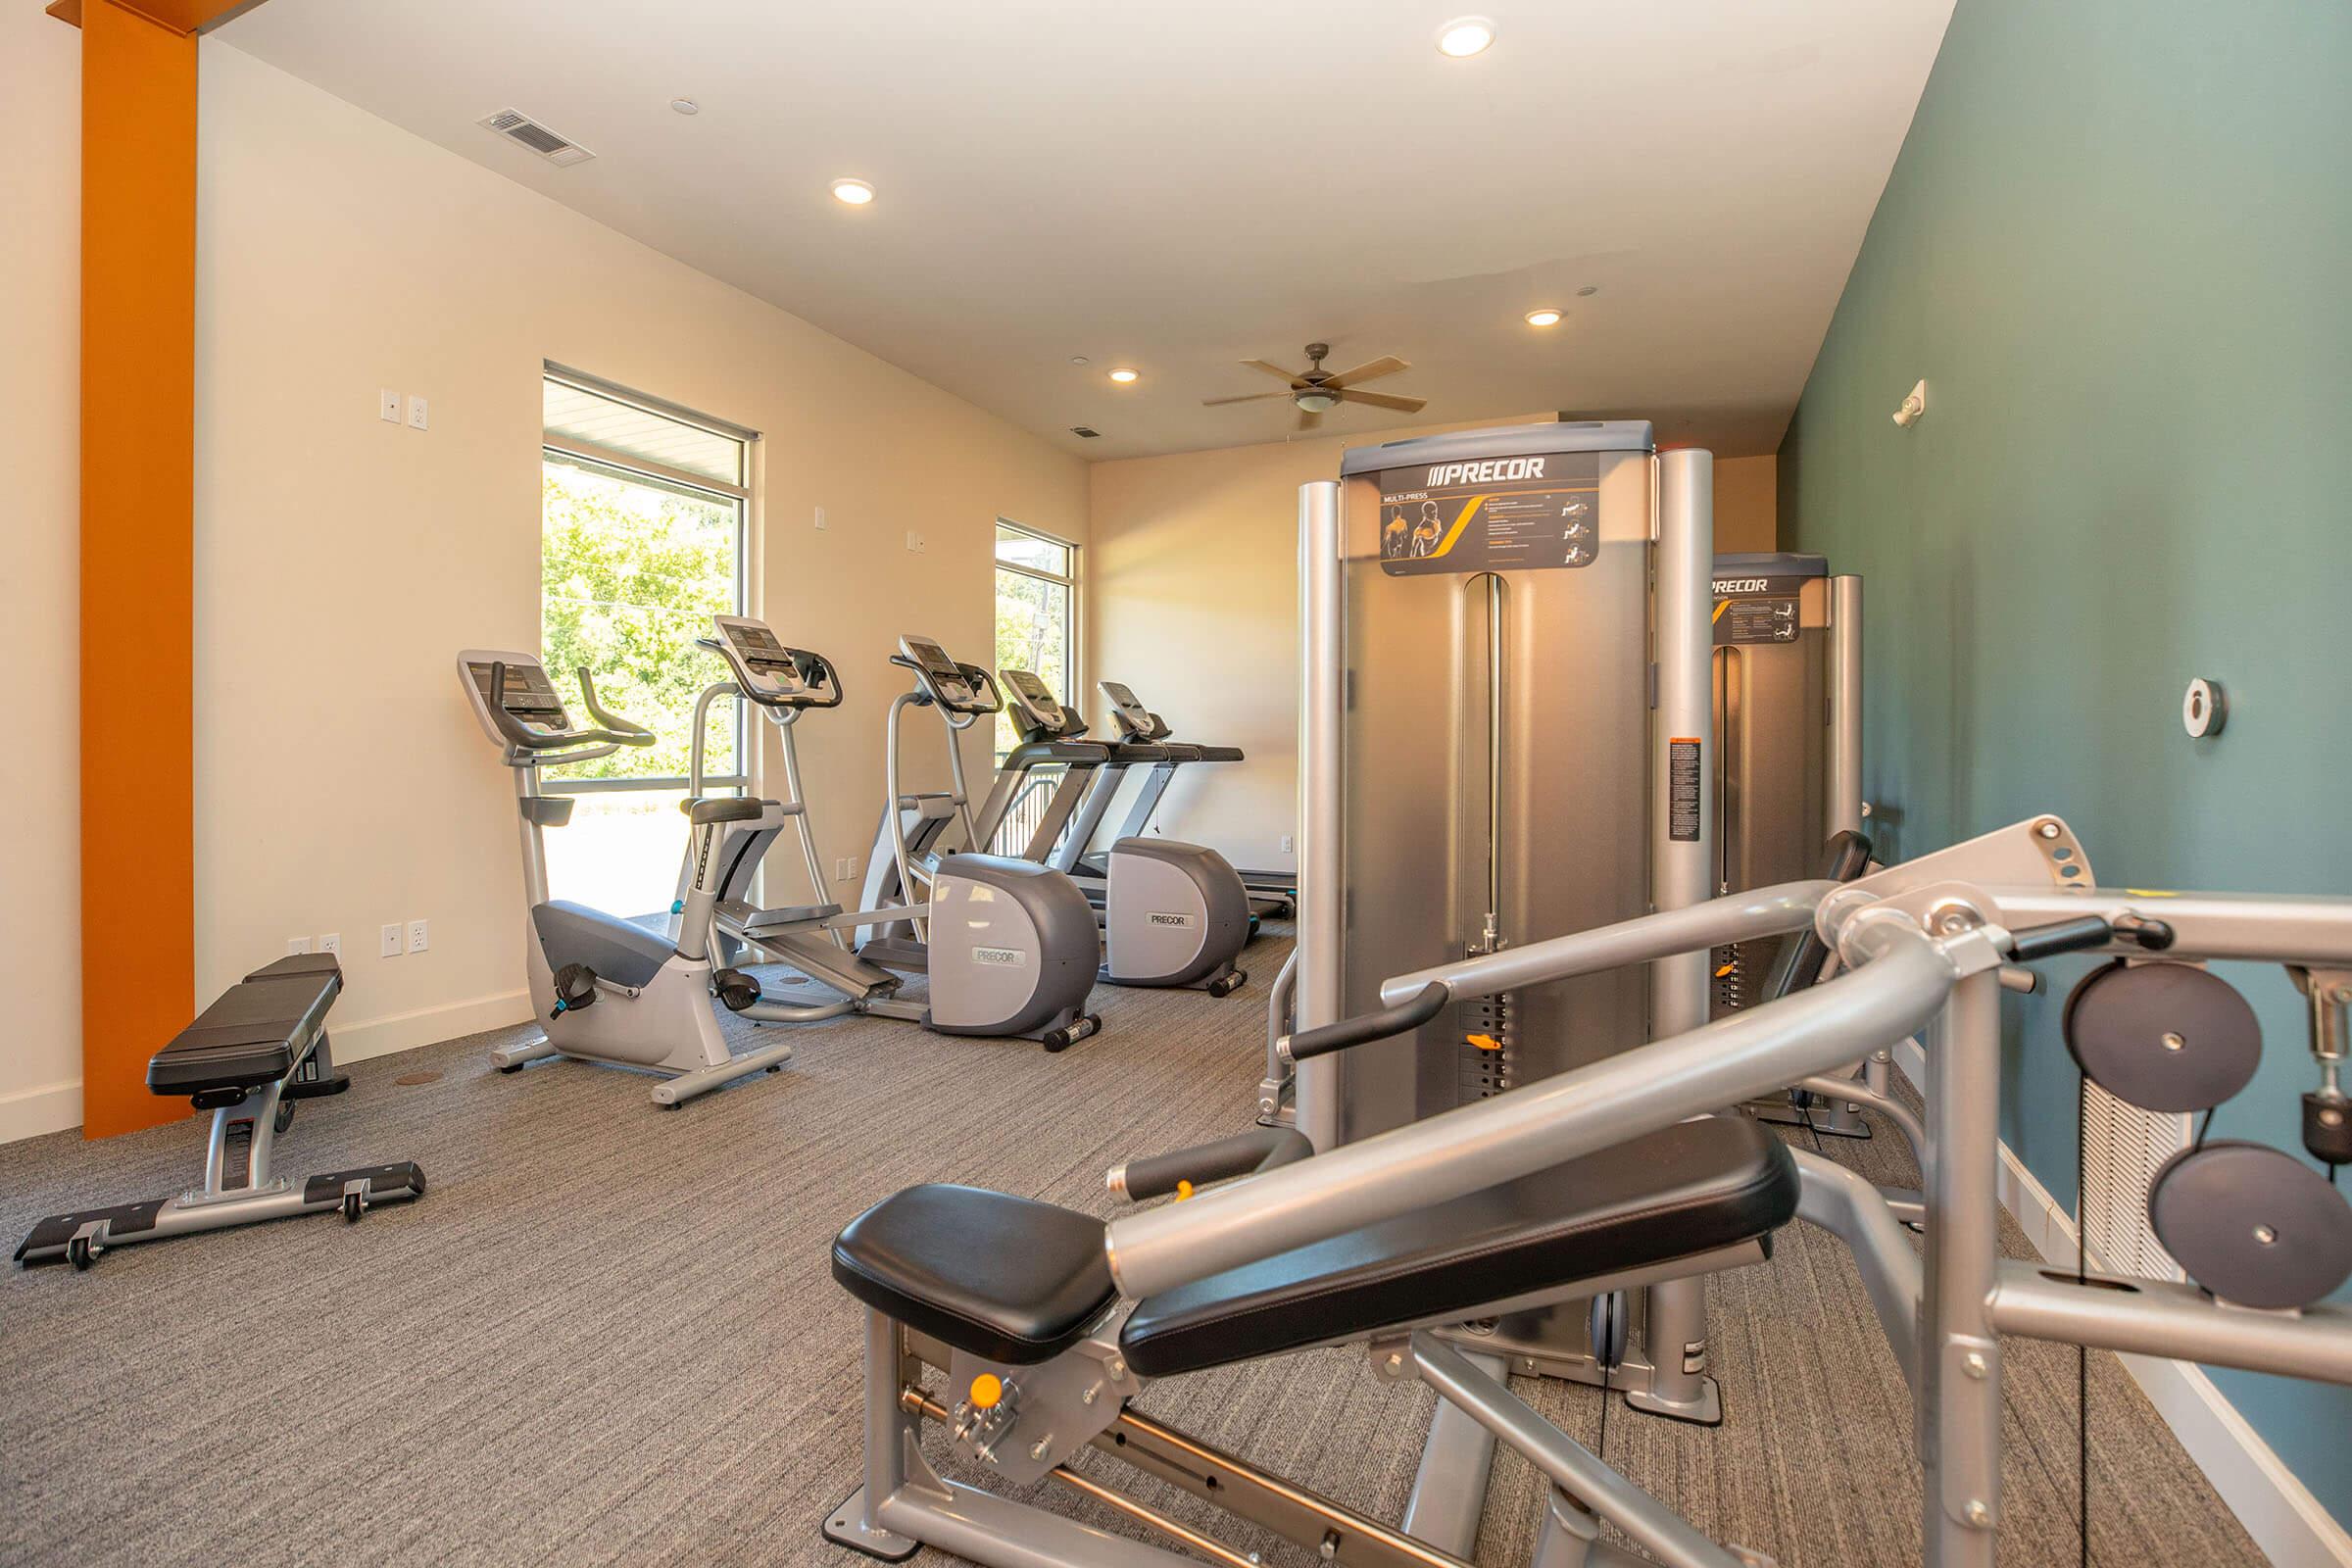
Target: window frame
1067 582
587 454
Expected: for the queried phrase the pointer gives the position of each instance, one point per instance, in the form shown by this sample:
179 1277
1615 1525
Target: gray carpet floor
606 1333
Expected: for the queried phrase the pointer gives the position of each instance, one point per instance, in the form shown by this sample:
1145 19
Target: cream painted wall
1192 594
341 782
40 294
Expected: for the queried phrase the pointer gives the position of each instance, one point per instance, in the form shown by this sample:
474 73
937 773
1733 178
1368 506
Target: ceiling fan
1318 389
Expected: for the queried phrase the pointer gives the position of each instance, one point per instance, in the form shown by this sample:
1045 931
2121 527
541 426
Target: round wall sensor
686 106
2203 709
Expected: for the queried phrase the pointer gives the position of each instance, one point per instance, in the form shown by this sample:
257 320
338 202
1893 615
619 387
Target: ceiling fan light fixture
1317 402
1465 36
1123 375
853 192
1545 316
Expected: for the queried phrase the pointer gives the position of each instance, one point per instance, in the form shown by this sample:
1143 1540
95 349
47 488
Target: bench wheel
353 1207
81 1252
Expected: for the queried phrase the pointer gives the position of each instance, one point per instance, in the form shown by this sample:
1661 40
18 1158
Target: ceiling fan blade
1386 364
1310 419
1247 397
1273 370
1382 400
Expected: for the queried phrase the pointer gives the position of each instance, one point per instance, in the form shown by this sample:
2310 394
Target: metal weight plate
2162 1036
2252 1225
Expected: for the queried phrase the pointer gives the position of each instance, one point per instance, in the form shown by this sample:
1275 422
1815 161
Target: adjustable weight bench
1015 1301
247 1058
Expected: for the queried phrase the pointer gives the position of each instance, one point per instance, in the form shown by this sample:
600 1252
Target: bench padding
253 1033
1002 1277
1686 1190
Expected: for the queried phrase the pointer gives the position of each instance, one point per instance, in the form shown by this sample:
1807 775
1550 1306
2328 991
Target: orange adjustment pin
1485 1042
1183 1190
986 1390
1726 969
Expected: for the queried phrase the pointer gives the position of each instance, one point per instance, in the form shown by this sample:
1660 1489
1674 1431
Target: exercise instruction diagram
1492 514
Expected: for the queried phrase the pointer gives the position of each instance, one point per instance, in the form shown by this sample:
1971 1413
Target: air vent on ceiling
522 130
1086 432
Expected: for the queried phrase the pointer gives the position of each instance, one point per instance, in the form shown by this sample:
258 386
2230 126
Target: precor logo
1001 957
1159 918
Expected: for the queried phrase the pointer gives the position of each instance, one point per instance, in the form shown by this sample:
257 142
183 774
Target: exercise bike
605 989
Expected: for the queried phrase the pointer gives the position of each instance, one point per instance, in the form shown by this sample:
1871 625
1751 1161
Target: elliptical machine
1010 944
1173 913
658 1016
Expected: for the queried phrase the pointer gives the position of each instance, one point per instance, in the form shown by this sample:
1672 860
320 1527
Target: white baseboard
56 1107
405 1031
2277 1510
42 1108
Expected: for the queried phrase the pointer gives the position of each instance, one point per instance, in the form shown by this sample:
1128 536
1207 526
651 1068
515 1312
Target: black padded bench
1019 1282
261 1046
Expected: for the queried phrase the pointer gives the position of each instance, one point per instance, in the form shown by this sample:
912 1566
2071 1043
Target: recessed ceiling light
1547 317
1122 376
686 106
1587 291
1465 36
856 192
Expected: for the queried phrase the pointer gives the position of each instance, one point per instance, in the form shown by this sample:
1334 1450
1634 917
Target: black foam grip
2068 936
1242 1154
1410 1013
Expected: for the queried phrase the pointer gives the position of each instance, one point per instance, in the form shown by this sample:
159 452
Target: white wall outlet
1286 844
295 945
389 942
417 934
415 412
914 541
387 405
820 519
331 942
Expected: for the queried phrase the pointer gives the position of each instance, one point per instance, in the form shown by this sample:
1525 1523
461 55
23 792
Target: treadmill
1144 742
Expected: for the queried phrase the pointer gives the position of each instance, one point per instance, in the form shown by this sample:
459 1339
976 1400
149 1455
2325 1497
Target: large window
644 533
1037 614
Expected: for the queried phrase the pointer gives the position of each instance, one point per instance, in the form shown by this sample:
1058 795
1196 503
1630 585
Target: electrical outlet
388 944
417 936
914 541
295 945
415 412
820 519
332 943
387 405
1286 844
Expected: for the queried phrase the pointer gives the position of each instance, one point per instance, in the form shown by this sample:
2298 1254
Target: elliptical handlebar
614 727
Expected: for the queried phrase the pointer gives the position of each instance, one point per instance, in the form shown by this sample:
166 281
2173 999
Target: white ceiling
1180 184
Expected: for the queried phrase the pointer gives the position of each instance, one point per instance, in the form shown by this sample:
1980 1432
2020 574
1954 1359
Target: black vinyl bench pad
1019 1282
254 1032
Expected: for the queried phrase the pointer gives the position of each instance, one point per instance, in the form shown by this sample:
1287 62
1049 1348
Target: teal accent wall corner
2117 246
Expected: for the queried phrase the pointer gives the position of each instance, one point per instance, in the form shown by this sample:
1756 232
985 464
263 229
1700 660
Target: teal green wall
2117 246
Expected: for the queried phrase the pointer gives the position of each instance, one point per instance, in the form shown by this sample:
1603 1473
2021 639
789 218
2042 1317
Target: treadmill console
770 673
1135 721
1035 708
530 695
958 688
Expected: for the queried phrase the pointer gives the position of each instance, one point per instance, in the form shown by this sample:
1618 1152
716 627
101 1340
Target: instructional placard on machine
1492 514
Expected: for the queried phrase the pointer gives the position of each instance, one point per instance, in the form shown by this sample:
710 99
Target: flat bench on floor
261 1046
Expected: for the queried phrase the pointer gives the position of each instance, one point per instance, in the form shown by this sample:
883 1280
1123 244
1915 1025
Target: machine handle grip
2086 935
816 665
1410 1013
616 728
1262 1149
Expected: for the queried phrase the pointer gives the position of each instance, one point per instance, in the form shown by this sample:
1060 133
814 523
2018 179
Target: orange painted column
138 417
